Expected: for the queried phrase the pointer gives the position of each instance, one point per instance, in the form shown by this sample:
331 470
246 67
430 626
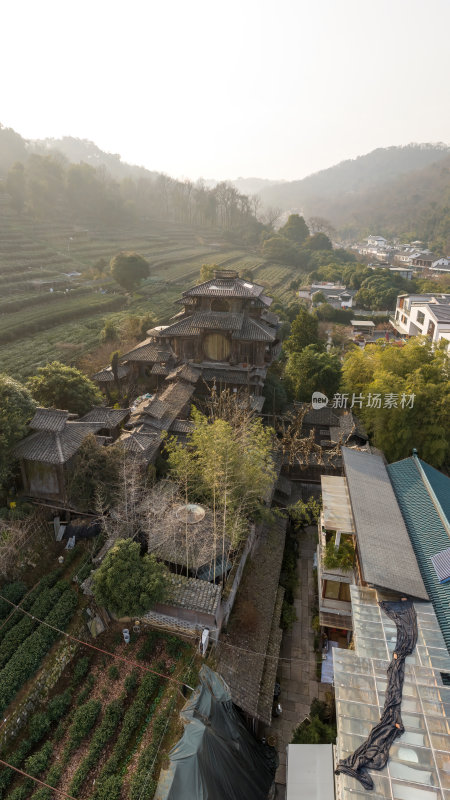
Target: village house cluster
399 257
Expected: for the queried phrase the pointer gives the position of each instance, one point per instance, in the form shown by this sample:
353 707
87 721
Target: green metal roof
423 495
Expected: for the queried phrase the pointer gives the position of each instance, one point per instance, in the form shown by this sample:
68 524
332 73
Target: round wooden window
216 347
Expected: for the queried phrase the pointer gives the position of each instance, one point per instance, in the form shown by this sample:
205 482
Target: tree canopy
304 331
94 475
312 370
295 229
59 386
228 464
17 407
129 584
129 269
419 370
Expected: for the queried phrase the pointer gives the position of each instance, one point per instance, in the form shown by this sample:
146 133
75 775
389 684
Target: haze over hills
394 190
353 176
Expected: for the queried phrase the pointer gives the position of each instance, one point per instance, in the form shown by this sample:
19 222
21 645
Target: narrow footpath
298 681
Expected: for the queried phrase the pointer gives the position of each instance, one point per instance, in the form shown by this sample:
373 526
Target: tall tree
129 269
59 386
406 397
129 584
304 331
312 370
295 229
17 406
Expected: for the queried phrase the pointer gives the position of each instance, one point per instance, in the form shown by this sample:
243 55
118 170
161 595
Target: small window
324 432
420 317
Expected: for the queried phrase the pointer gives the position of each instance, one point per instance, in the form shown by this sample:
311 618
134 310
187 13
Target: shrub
131 682
107 728
339 558
38 762
113 672
58 705
84 720
29 655
81 668
13 592
38 726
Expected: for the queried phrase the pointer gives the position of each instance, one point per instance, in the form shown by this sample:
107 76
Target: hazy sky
226 89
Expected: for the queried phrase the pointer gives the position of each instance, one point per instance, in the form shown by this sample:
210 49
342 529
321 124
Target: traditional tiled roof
225 287
348 427
148 351
321 416
387 556
243 652
49 419
55 448
163 409
106 375
185 372
194 594
160 369
143 445
109 417
239 376
240 326
182 426
423 495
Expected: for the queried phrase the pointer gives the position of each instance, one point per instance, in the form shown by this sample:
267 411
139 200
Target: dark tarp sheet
217 757
374 752
83 531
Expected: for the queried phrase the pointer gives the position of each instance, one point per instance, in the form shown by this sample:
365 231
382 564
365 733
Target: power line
99 649
31 777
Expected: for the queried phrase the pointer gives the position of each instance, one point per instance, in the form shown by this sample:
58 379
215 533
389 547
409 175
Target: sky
202 88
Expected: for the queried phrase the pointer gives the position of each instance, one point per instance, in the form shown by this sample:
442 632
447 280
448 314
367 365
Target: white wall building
423 315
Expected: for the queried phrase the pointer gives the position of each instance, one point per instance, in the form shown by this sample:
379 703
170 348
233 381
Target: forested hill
74 181
354 176
393 191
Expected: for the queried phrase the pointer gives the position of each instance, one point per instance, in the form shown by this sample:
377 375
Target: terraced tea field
99 727
48 311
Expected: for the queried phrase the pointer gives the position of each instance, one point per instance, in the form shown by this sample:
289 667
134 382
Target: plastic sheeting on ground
374 752
217 757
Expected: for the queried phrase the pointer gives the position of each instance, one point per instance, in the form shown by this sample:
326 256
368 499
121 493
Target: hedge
131 721
38 727
105 731
13 592
46 600
31 652
84 720
143 776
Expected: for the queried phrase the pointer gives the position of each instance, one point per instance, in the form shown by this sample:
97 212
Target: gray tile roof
148 351
240 325
185 372
55 448
160 369
49 419
385 549
225 287
106 375
321 416
194 594
440 312
145 445
109 417
239 376
163 409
